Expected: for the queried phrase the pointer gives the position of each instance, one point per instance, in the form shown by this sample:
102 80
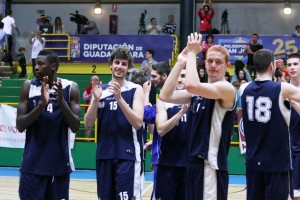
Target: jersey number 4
262 111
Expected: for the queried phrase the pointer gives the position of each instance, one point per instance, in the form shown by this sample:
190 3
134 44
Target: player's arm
220 90
168 92
71 113
290 92
24 119
91 114
163 124
135 114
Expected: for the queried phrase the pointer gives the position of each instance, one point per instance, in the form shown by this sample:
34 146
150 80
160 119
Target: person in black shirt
250 49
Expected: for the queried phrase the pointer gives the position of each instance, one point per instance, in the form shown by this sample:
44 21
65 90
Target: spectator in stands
206 13
90 28
146 66
170 26
281 73
22 62
209 42
153 28
131 72
87 96
250 49
9 23
38 44
237 85
238 65
202 72
227 76
59 28
42 20
3 41
297 32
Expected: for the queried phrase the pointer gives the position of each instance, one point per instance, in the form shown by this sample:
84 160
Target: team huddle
191 137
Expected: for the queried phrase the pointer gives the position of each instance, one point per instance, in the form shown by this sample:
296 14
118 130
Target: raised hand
96 90
194 43
115 88
45 91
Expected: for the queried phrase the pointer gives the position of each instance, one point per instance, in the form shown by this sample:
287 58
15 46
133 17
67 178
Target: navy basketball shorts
170 183
118 179
268 185
203 182
44 187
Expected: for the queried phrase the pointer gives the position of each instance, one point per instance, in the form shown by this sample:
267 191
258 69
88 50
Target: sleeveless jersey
117 139
295 130
211 127
266 126
46 149
173 149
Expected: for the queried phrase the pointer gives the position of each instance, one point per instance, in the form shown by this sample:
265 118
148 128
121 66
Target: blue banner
280 45
97 48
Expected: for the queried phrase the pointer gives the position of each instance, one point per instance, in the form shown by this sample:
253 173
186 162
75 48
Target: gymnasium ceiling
147 1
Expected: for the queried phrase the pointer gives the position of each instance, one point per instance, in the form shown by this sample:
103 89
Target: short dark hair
51 57
262 59
8 12
293 55
120 53
1 24
297 26
152 19
255 34
162 68
209 35
21 49
150 51
139 78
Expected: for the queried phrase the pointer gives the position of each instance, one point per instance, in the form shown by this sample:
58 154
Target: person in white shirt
9 23
153 28
38 44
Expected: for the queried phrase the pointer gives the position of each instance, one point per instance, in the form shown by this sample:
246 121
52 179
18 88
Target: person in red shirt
206 13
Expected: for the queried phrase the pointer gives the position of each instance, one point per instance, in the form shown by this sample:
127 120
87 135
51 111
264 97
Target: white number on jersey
262 112
50 107
123 195
113 105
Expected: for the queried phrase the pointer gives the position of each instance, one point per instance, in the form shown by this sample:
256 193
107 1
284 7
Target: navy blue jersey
117 138
46 149
295 131
173 149
211 127
266 127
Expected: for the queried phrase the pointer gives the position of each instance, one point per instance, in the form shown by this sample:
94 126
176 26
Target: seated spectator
202 72
153 28
240 65
209 42
227 76
297 32
170 26
236 85
58 26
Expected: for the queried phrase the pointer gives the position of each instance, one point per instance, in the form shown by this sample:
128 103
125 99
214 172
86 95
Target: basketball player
48 108
266 125
171 125
119 108
211 118
293 66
